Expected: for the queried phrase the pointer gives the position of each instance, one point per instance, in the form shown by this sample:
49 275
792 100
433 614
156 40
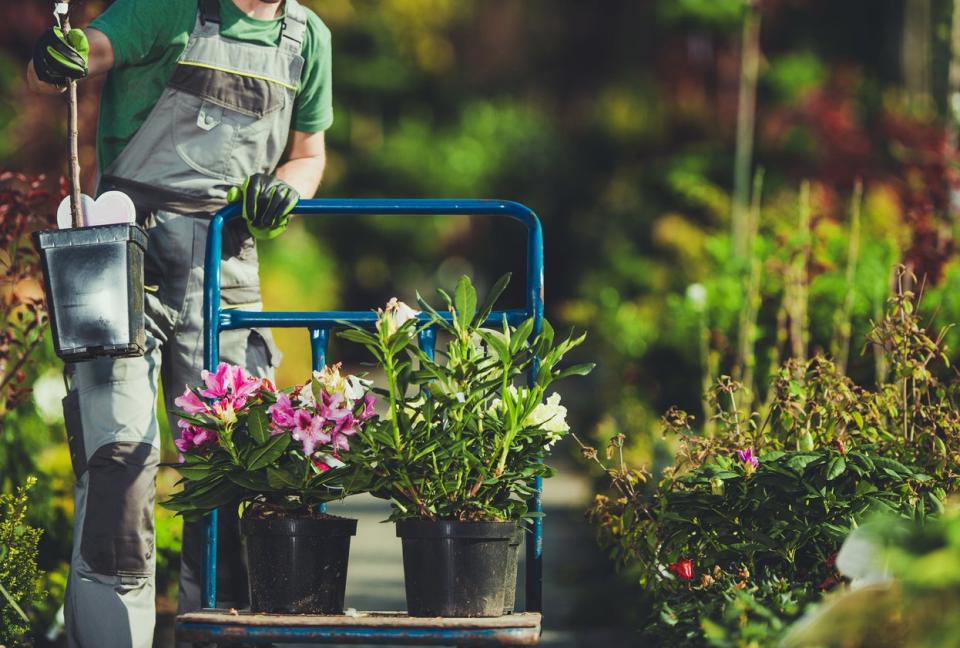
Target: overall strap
209 11
294 26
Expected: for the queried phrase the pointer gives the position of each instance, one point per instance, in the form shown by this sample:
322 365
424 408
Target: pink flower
282 412
747 458
369 400
330 408
326 462
232 386
217 383
308 430
194 438
190 403
244 385
346 424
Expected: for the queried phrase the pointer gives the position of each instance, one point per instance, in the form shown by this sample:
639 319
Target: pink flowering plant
465 434
242 440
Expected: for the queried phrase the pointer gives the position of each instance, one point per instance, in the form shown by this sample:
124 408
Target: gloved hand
267 203
58 56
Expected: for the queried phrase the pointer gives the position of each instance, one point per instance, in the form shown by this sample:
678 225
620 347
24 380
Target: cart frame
210 623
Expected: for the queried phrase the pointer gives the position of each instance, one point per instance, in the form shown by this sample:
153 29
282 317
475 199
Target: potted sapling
460 445
278 455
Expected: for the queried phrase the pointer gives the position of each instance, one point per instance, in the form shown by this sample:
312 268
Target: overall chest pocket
222 120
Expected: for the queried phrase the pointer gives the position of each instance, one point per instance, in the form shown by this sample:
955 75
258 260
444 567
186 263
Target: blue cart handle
217 319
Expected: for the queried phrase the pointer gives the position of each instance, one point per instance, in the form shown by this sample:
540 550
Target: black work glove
267 203
58 56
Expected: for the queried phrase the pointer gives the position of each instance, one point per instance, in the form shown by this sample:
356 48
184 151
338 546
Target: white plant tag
64 218
111 208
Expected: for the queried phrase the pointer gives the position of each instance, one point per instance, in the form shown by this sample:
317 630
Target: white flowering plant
466 432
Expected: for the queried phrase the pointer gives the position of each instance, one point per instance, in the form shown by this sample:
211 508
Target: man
203 102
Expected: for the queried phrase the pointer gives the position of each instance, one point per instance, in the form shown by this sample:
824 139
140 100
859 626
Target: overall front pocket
215 140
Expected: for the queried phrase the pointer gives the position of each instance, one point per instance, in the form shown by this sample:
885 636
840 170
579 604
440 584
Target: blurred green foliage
616 124
911 600
20 579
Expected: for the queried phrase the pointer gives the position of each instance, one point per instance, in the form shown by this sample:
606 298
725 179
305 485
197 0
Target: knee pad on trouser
110 594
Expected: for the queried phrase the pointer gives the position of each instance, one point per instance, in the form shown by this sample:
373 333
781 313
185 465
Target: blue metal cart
211 624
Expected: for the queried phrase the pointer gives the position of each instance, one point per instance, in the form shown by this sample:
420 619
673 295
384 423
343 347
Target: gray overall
224 114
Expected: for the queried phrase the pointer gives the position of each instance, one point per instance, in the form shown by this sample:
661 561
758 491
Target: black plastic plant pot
297 565
455 569
513 562
93 279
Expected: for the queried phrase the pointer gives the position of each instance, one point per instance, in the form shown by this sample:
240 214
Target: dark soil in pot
455 569
297 565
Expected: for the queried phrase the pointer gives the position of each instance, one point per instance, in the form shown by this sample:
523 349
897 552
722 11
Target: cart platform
521 629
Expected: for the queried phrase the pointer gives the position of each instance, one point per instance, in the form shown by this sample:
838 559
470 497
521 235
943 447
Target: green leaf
401 339
576 370
892 465
521 335
835 468
435 317
936 502
268 452
465 302
195 472
280 478
357 335
258 425
498 343
250 481
492 296
799 461
13 604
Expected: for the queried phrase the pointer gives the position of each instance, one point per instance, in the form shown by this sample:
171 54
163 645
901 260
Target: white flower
551 417
306 396
355 388
497 404
395 315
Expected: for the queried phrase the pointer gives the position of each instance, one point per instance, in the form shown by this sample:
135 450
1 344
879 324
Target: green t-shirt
148 36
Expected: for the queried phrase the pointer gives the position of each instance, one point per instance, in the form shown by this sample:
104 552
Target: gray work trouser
115 441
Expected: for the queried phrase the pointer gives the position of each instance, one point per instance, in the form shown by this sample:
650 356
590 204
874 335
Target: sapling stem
73 160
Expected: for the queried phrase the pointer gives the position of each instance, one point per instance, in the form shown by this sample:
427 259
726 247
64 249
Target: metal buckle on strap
292 27
209 10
